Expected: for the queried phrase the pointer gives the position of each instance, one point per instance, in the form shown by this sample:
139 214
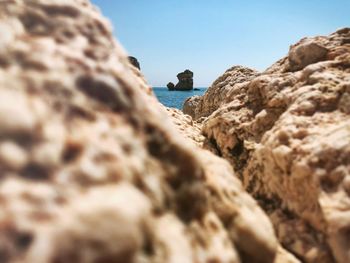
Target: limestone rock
190 105
220 92
92 168
286 133
305 54
187 126
228 187
311 50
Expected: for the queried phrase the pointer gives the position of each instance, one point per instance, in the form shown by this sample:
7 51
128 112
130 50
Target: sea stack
185 81
171 86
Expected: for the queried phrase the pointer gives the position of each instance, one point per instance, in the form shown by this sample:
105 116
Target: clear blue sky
209 36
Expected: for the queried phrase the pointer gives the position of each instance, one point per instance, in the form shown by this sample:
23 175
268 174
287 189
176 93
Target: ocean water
175 99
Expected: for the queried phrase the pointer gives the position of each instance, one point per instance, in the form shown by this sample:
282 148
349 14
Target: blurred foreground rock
92 169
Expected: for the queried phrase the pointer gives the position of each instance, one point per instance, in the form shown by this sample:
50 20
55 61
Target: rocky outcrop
171 86
286 133
92 169
185 82
187 126
190 105
134 62
191 130
219 93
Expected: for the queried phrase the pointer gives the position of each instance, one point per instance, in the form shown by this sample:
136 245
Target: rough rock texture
185 81
191 130
134 62
187 126
219 93
287 135
190 105
91 167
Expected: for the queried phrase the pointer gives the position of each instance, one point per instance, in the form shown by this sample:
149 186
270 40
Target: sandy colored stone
218 93
305 54
93 169
286 133
286 257
190 105
186 126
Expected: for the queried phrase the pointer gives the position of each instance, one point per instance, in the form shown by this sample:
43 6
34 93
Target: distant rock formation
171 86
185 81
134 62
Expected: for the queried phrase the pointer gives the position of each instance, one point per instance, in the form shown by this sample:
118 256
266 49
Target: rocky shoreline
285 131
94 169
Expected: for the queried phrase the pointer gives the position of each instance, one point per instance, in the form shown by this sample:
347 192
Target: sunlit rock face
92 168
190 105
286 133
219 93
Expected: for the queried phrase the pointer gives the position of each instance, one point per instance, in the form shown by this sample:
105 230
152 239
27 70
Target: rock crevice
285 132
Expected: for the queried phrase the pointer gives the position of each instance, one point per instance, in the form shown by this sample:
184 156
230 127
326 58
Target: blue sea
175 99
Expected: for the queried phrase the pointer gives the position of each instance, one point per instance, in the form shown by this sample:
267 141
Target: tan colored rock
305 54
332 46
187 126
92 169
190 105
219 93
286 134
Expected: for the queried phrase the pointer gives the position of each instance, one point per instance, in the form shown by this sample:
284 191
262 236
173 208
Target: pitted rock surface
219 93
286 133
92 169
